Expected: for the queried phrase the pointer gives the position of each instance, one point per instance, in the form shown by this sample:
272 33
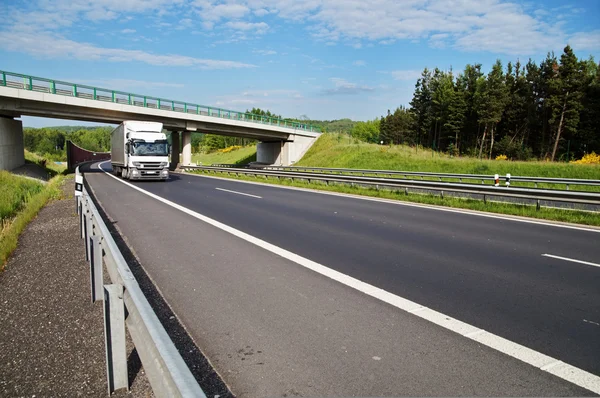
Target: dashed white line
571 260
239 193
541 361
409 204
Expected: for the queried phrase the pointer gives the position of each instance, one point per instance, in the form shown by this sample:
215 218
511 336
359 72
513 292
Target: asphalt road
271 327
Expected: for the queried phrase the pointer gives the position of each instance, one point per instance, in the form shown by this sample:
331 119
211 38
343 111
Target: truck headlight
134 171
136 164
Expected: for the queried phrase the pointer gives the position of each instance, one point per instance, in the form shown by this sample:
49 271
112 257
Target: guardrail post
81 219
74 90
4 78
145 102
172 105
95 93
88 236
52 87
158 103
114 338
197 110
30 83
208 111
96 278
129 99
113 96
185 107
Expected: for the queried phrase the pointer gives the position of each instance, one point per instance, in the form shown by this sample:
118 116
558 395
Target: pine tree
567 93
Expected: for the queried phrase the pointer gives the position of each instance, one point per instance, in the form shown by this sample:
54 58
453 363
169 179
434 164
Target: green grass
334 150
240 156
570 216
16 191
49 166
12 227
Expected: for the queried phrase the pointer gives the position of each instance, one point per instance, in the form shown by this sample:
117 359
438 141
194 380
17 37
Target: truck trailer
140 151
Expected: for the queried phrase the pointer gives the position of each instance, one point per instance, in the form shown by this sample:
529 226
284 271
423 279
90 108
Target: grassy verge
571 216
12 226
51 168
334 150
240 156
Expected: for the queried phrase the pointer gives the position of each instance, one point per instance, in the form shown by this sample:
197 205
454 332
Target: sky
321 59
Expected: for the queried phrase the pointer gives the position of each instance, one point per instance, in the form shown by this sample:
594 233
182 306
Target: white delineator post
496 180
507 180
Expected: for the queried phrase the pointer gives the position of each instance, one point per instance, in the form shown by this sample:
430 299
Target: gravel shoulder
51 335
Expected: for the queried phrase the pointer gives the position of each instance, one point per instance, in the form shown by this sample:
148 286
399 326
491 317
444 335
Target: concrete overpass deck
282 141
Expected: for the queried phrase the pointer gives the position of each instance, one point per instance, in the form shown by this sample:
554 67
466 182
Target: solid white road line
571 260
560 369
239 193
409 204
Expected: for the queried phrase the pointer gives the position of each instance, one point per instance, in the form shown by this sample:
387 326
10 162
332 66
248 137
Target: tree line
527 110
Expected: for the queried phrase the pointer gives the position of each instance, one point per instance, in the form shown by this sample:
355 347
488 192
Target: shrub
501 157
588 158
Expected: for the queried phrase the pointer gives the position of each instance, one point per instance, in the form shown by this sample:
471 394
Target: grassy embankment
21 199
239 156
332 150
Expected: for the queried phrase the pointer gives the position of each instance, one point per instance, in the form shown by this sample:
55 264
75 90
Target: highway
270 326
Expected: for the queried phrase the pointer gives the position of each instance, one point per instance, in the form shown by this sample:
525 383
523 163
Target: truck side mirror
127 147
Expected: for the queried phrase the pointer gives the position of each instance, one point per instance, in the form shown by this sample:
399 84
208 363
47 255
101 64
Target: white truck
140 151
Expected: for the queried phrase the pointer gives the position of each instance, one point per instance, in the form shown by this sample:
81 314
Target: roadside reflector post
496 180
507 180
78 185
114 338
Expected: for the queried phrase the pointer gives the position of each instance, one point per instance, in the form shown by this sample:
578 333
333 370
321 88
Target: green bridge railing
40 84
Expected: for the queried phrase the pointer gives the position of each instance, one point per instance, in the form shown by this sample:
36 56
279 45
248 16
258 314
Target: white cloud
265 52
54 46
359 62
258 27
406 75
344 87
586 41
127 31
124 84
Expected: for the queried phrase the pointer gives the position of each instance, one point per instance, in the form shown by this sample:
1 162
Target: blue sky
325 59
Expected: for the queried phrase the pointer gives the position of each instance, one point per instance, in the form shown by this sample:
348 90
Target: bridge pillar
187 147
269 152
284 153
12 150
175 149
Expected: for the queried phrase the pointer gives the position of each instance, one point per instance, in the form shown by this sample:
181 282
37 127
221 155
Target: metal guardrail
40 84
168 374
440 176
484 190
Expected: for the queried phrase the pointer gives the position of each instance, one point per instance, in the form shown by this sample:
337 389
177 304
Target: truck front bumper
141 174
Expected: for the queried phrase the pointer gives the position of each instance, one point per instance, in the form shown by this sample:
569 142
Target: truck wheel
124 173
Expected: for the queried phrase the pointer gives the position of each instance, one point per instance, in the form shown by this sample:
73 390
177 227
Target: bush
588 158
501 157
512 149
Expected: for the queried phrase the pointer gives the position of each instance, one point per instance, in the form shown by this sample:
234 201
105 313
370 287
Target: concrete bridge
282 142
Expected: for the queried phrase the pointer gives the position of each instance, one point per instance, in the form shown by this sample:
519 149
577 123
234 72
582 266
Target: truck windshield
142 148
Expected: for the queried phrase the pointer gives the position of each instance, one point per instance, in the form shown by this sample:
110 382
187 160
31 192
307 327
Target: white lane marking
571 260
419 205
566 372
592 322
239 193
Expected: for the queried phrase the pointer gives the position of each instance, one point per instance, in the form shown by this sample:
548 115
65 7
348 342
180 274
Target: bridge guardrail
126 305
40 84
440 176
484 190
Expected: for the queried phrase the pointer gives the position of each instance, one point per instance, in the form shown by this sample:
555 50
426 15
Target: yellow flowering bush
501 157
229 149
588 158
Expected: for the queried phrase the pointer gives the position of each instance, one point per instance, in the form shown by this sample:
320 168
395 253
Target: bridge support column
187 147
12 150
284 153
175 149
